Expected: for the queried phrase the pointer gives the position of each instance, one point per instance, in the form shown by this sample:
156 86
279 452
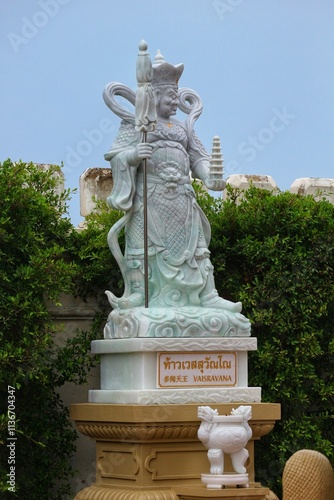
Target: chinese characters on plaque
196 369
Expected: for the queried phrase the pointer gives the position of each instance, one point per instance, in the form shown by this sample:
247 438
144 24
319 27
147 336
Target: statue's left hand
214 183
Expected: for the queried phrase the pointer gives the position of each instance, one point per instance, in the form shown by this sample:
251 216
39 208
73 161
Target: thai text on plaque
196 369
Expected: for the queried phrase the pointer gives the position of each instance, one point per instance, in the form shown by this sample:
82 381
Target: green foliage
275 254
98 269
35 269
33 236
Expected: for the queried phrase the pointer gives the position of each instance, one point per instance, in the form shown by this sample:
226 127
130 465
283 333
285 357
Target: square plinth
142 448
174 370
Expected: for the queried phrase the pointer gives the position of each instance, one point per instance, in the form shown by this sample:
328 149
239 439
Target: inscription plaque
180 369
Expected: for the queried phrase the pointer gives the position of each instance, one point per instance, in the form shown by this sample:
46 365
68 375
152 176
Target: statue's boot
210 298
112 299
135 279
213 300
136 299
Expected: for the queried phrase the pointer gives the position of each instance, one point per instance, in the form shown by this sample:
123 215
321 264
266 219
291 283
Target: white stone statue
181 288
222 434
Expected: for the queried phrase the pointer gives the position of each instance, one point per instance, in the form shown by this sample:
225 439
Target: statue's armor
178 231
170 198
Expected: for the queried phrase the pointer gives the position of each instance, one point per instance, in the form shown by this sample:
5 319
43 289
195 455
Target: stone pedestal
175 370
152 452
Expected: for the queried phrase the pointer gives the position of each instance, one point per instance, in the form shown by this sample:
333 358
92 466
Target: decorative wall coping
96 183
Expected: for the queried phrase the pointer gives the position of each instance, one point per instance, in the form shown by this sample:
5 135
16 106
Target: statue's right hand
141 151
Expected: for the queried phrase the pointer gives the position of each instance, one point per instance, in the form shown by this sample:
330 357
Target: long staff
145 225
145 121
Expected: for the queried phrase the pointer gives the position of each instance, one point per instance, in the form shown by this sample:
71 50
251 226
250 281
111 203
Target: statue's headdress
165 73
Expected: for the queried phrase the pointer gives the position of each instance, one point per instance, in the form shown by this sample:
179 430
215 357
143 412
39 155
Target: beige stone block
95 184
244 181
317 187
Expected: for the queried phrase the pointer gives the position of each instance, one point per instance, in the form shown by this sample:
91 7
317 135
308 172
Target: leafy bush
274 252
35 235
98 268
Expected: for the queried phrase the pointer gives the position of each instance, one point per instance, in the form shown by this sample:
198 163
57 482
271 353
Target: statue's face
166 101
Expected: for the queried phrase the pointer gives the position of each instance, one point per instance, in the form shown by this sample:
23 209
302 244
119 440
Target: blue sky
264 69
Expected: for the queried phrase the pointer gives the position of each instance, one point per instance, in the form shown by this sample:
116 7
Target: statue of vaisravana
180 273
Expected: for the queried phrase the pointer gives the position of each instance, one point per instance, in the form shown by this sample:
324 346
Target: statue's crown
165 73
